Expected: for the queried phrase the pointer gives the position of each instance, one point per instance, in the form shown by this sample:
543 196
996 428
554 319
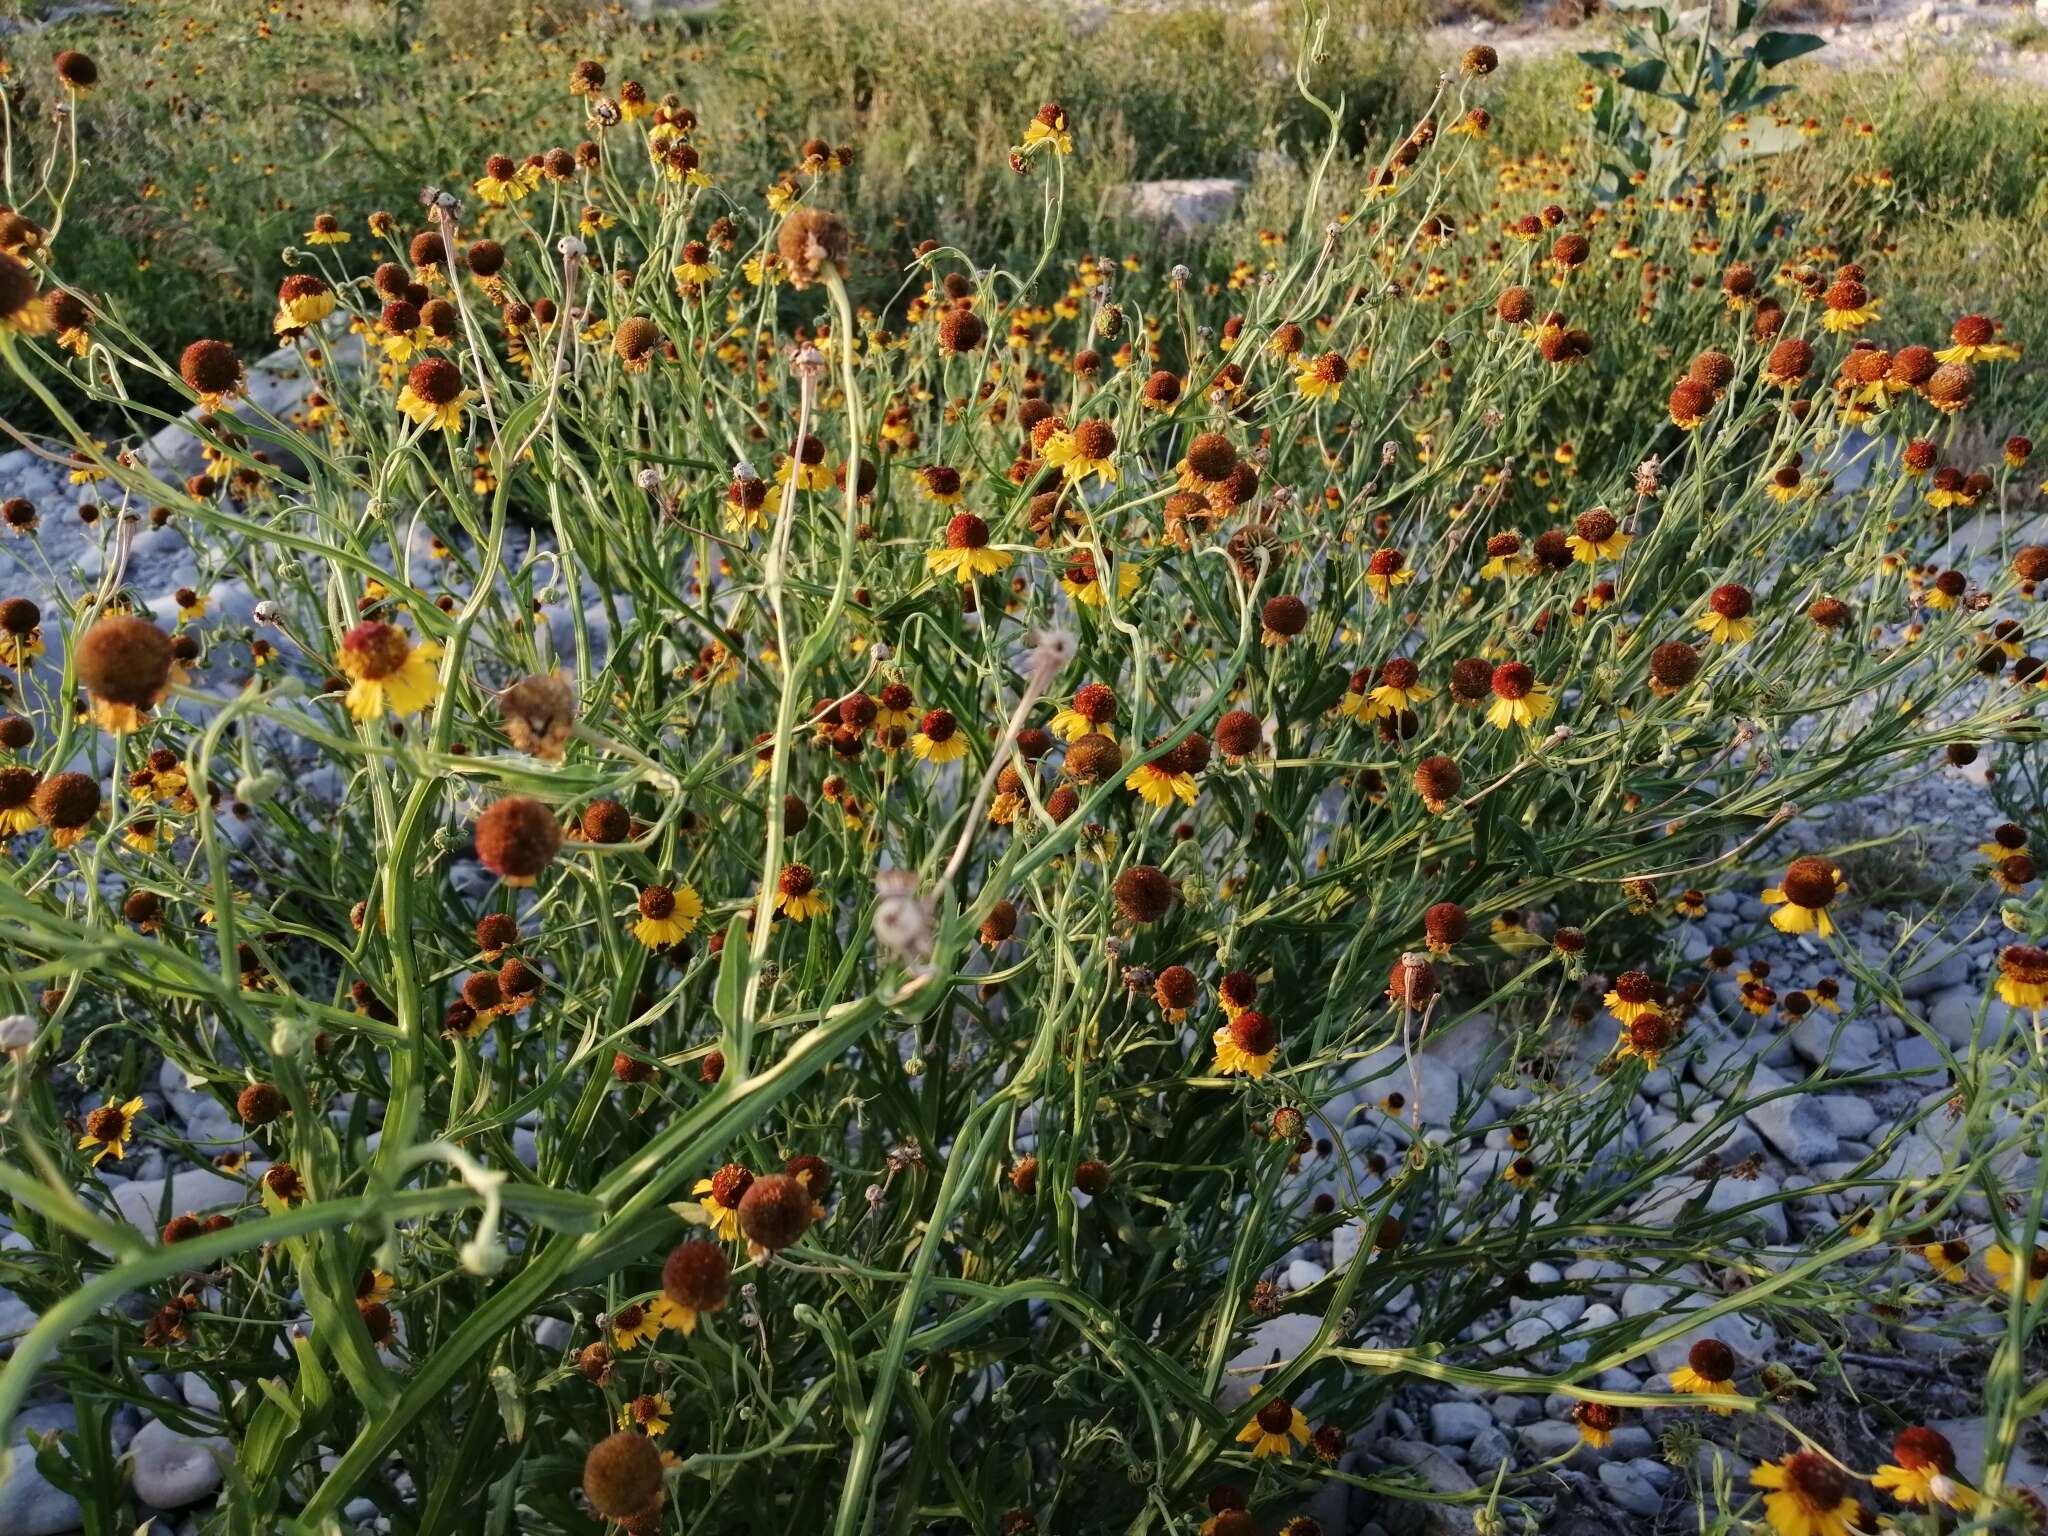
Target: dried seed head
606 821
809 242
539 714
259 1104
517 837
1144 894
1093 758
622 1475
210 368
775 1211
1093 1178
1445 924
65 802
125 660
1673 665
696 1275
1239 733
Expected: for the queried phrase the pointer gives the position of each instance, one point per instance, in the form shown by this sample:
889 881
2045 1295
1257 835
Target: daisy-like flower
1048 130
1177 992
1806 1494
1634 995
808 467
1504 557
126 664
2023 976
633 1325
1386 570
1727 620
1709 1369
1321 378
648 1413
66 803
668 915
696 271
1950 388
1948 1259
1517 698
22 306
939 738
720 1197
694 1283
433 395
1597 1423
965 552
1400 688
1788 483
303 299
1281 619
1246 1045
893 708
18 788
386 670
2002 1263
1208 463
1847 306
1171 775
1923 1470
940 483
163 778
1597 536
1947 590
1647 1037
401 333
1522 1172
1689 402
501 182
1089 449
1269 1430
1802 897
1092 711
1236 992
72 319
1976 339
2014 873
109 1128
1444 924
1789 363
1081 580
326 230
797 896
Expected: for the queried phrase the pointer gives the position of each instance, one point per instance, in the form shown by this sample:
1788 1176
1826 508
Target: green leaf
1775 48
1644 75
562 1209
731 990
511 1402
1600 59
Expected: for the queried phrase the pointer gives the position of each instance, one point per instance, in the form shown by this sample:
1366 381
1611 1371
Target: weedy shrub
771 911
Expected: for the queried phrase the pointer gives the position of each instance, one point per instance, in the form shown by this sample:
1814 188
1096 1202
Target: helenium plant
774 900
